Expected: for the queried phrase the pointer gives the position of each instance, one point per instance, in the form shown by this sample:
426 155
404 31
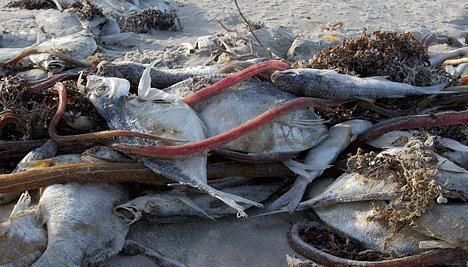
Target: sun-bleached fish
157 112
167 207
331 84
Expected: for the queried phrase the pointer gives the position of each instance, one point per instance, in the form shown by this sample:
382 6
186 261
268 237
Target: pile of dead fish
102 138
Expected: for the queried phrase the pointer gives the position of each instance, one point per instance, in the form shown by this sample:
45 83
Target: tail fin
231 200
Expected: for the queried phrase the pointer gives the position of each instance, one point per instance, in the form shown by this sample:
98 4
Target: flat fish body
447 222
81 225
331 84
353 219
157 112
292 132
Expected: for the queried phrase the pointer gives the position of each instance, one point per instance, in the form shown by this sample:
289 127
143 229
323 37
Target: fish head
160 207
296 80
106 92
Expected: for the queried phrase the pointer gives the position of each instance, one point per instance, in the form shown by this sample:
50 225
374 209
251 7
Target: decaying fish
22 238
167 207
294 132
81 226
160 77
331 84
157 112
55 23
318 159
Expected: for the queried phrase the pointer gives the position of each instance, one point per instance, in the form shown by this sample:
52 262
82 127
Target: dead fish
318 159
33 74
160 77
22 238
81 226
49 149
55 23
294 132
354 220
157 112
446 222
169 207
438 59
331 84
77 45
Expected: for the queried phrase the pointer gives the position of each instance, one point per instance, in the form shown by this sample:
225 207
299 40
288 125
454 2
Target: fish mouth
128 213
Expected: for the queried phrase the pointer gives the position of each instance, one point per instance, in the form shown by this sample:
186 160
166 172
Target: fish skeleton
331 84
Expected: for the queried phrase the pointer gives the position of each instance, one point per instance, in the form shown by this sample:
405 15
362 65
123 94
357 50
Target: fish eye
101 90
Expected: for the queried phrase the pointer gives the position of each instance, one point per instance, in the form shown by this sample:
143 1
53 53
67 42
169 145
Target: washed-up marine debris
108 95
398 56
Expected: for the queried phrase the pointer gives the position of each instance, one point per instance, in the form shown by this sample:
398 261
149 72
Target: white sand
262 242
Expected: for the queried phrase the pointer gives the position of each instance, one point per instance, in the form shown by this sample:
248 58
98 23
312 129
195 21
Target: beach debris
398 56
318 159
108 95
88 207
341 250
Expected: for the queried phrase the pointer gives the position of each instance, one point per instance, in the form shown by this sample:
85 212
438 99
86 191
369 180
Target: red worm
413 122
236 78
202 147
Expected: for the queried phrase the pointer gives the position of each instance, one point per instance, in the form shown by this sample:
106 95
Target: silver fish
294 132
81 226
353 220
318 159
331 84
157 112
167 207
160 77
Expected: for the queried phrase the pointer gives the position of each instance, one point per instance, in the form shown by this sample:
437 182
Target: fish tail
434 89
232 200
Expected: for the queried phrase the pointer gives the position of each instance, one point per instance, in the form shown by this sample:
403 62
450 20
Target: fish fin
144 86
189 202
292 197
23 203
303 123
303 169
268 213
232 200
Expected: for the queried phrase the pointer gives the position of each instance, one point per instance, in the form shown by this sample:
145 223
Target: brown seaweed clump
415 168
86 9
35 109
143 22
31 4
398 56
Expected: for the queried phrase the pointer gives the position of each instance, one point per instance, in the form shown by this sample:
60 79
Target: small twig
457 61
246 21
38 50
225 27
125 172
